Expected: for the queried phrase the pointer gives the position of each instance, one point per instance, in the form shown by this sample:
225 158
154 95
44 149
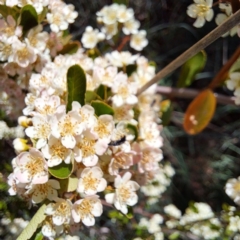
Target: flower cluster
202 11
106 155
113 18
23 52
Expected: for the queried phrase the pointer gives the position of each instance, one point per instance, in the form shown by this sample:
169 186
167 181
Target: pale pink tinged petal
76 216
67 160
58 220
23 177
97 172
39 179
117 181
50 209
85 172
97 209
78 129
76 106
110 198
45 151
209 15
102 185
68 141
81 186
124 209
132 200
88 221
36 153
30 132
133 185
41 143
90 161
101 147
54 161
90 192
22 158
199 22
127 176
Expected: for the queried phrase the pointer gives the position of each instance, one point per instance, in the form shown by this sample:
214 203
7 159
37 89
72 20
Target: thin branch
191 93
222 74
203 43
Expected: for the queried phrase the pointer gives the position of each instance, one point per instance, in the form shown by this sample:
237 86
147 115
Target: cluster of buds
79 156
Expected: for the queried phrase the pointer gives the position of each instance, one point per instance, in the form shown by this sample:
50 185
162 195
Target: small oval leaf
61 171
190 69
102 91
102 108
6 11
200 112
31 228
29 17
70 48
76 86
90 96
69 185
133 130
166 111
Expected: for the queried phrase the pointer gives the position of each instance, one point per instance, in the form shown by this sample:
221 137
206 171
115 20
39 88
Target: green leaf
101 108
61 171
102 91
130 69
76 86
190 69
174 235
133 130
70 48
166 111
43 14
6 11
69 185
29 17
31 228
90 96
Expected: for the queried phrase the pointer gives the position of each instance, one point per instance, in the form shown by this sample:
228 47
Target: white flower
121 59
202 10
124 14
37 38
31 167
152 225
110 30
125 193
86 209
91 37
69 13
124 91
57 21
56 153
23 54
172 211
232 189
40 130
60 211
88 148
91 181
48 190
67 127
8 29
131 26
138 40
